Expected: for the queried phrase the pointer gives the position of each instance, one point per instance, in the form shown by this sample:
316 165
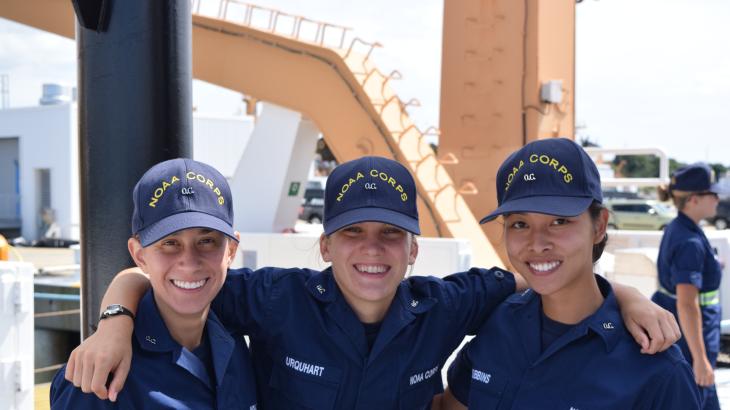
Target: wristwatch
114 310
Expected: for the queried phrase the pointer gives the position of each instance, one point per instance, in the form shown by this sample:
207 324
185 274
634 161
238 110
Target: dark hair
595 211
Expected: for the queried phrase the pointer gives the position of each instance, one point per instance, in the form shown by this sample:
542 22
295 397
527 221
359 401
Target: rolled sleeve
459 375
244 301
688 264
476 293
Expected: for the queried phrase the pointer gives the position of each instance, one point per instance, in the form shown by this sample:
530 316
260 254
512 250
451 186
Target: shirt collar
150 329
522 298
605 322
152 335
222 345
687 222
323 287
415 298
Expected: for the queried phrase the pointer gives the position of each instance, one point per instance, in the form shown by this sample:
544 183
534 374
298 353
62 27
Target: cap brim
180 221
550 205
371 215
715 188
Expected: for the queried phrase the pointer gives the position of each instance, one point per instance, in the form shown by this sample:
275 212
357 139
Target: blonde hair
679 198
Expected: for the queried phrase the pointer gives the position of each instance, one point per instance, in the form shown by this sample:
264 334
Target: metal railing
662 179
375 83
57 313
274 21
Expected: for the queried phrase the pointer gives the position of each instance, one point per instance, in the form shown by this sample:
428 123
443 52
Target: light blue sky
649 72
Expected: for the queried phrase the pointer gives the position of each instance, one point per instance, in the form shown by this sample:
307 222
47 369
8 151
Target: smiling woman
356 335
186 268
184 240
368 262
562 341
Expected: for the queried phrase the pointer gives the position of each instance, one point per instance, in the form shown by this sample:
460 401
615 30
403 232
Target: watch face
112 310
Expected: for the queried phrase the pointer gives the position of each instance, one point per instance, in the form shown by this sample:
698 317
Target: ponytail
664 192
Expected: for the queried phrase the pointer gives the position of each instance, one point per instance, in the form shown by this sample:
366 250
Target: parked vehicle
721 219
312 209
613 194
642 214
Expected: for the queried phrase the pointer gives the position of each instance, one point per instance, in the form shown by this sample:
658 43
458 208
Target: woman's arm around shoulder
653 328
473 295
109 349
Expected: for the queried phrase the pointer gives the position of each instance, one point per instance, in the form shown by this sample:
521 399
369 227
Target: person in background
689 274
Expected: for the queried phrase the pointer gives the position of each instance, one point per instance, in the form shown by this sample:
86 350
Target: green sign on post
294 188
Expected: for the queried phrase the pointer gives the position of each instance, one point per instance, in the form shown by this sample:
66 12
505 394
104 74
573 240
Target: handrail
662 179
361 68
48 368
272 18
357 40
57 313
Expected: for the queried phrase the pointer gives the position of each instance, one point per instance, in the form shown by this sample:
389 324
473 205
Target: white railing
662 179
274 21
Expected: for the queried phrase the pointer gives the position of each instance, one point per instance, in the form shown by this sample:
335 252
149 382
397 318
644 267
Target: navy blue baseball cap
552 176
694 178
179 194
370 189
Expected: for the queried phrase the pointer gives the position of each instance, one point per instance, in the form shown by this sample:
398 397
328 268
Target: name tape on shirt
303 367
481 376
419 377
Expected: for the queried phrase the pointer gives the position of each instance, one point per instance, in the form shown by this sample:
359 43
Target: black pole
135 109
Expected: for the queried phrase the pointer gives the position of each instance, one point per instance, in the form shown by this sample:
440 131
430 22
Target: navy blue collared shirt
594 365
310 350
686 257
164 375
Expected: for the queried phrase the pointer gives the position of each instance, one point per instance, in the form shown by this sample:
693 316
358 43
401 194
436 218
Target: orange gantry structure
496 56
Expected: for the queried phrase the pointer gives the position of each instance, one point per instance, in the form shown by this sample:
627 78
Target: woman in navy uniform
562 343
356 335
689 274
184 358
